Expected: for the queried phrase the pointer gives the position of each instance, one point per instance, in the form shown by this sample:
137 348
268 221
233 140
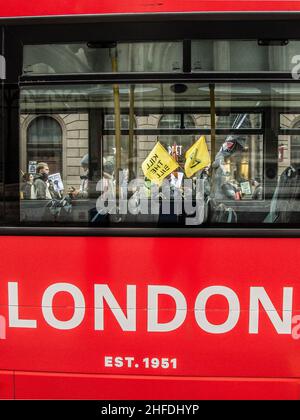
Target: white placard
246 188
57 182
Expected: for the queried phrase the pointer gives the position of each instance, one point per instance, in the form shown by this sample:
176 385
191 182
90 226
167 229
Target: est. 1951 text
147 362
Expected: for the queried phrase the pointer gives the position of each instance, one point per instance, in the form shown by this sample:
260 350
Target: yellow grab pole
116 92
131 131
212 121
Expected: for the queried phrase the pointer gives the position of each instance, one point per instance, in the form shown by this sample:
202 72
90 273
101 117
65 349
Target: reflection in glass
243 56
89 58
66 126
44 142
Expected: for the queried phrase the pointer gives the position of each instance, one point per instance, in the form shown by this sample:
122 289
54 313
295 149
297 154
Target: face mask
45 176
229 147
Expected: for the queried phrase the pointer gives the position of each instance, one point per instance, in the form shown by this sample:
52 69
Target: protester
83 191
44 189
28 189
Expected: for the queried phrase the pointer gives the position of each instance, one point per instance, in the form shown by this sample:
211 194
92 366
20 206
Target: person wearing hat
221 188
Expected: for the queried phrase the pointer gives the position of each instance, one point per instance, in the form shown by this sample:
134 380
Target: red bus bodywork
20 8
47 362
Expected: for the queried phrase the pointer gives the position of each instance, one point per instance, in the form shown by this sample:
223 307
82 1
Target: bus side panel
154 313
6 385
54 386
78 7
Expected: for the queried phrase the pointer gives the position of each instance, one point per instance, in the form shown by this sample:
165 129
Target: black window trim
211 77
220 232
225 19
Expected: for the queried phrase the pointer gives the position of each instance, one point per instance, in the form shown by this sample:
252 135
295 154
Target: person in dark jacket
43 187
27 189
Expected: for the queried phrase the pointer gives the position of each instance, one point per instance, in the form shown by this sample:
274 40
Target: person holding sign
44 188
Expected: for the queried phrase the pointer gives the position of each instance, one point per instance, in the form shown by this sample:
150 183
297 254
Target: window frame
226 28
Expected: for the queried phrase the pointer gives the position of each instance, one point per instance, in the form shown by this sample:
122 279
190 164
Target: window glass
244 55
109 122
176 121
111 150
103 58
207 55
290 121
289 141
239 121
170 121
285 204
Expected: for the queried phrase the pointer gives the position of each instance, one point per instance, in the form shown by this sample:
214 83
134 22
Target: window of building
44 143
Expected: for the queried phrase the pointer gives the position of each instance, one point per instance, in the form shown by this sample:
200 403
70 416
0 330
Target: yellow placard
197 157
158 164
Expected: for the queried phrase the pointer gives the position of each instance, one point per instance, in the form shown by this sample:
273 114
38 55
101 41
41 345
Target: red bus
150 219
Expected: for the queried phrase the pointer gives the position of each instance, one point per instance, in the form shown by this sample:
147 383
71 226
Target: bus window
285 207
146 154
103 57
243 55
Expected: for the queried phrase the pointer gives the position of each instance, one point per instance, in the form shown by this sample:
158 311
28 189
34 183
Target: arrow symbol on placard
194 159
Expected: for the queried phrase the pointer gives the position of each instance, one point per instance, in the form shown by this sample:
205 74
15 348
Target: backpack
219 213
